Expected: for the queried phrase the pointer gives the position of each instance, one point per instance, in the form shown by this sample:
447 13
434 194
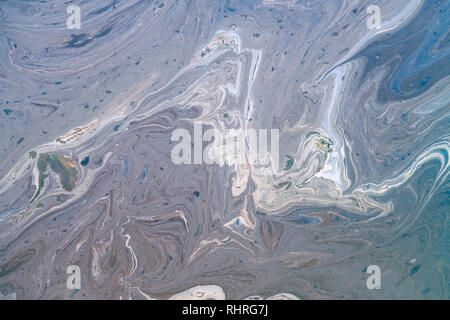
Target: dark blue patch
85 161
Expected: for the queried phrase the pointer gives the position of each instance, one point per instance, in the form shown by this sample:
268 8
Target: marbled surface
86 176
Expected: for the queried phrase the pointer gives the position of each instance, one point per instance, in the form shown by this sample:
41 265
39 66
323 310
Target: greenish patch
116 127
40 205
324 144
196 193
7 111
20 140
65 169
32 154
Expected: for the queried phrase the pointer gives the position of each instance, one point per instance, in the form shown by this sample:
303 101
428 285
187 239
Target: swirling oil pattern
87 177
